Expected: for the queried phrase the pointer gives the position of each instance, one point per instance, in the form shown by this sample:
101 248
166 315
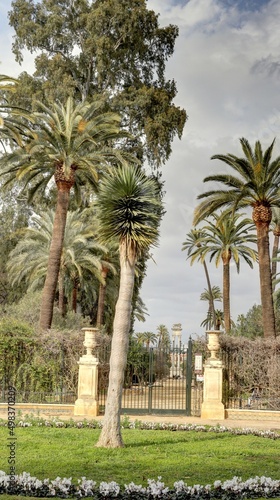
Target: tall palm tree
164 341
129 211
109 264
149 338
275 226
206 323
70 145
216 294
254 183
80 253
192 244
225 238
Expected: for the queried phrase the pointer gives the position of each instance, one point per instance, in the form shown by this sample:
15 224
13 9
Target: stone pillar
87 402
175 369
212 406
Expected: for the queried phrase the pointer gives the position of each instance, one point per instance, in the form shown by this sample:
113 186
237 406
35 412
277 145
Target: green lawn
195 457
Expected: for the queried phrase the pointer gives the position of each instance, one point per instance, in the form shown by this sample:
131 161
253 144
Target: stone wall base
86 408
39 410
254 415
212 410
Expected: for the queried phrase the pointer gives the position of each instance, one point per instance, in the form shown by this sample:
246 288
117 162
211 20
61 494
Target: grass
195 457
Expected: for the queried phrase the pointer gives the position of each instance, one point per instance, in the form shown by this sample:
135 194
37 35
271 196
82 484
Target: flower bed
138 424
25 484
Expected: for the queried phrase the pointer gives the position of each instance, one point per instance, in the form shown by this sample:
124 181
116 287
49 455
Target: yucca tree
69 145
129 211
80 253
225 238
254 182
191 245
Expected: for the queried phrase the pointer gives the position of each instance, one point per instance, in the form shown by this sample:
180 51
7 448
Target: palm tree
254 183
13 126
80 253
206 323
109 264
192 245
148 338
70 145
216 294
129 211
163 337
225 238
275 226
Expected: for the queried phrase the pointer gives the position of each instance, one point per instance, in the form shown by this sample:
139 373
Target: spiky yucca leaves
129 208
254 183
129 211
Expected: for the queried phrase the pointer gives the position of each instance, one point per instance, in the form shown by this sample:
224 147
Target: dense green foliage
83 50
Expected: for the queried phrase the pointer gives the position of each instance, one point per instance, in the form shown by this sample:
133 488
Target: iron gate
161 382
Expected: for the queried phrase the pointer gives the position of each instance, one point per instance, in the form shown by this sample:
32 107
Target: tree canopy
116 48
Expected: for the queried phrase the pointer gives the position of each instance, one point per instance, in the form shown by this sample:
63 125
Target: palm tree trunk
110 436
211 301
101 298
265 279
46 312
274 255
226 294
61 301
74 294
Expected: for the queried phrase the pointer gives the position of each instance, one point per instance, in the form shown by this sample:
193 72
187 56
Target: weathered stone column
87 402
212 406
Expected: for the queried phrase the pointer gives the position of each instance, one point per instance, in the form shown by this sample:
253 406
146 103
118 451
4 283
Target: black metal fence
40 397
161 382
157 381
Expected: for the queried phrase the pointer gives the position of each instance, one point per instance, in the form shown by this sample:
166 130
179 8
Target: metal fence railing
40 397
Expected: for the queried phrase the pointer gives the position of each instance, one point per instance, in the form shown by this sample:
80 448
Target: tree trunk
211 301
46 312
110 436
61 296
265 279
274 255
74 295
101 298
226 293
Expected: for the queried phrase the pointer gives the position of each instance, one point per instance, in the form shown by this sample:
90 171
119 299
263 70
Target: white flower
111 489
134 488
156 488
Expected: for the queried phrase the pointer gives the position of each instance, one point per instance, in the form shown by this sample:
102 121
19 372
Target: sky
227 65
